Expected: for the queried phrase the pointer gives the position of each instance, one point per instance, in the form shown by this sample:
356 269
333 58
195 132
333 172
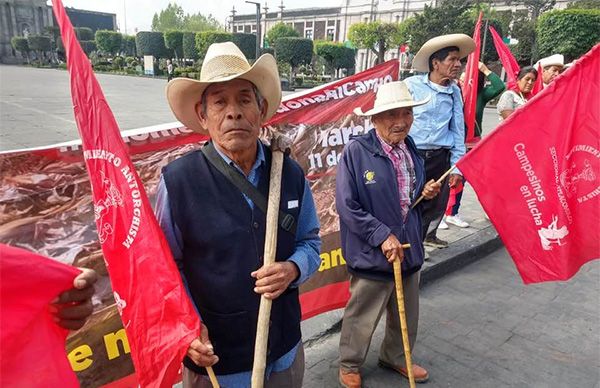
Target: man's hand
274 279
431 189
73 307
454 179
201 350
392 249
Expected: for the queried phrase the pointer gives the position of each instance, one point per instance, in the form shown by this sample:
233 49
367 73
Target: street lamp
257 27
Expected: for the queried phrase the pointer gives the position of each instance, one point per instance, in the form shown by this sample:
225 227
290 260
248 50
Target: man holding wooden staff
379 176
211 205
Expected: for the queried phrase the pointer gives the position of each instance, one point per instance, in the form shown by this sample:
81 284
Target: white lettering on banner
581 174
334 137
347 89
533 193
137 205
559 190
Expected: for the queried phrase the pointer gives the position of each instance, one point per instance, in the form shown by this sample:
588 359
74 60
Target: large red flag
32 345
158 317
538 176
508 60
539 82
469 89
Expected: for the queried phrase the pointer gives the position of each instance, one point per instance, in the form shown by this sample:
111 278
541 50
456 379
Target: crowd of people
216 228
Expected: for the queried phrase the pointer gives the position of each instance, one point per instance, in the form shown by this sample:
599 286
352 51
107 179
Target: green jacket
487 94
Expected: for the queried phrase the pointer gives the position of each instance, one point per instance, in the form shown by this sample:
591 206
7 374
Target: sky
139 12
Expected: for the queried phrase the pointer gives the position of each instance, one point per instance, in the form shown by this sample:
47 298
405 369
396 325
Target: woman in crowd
512 99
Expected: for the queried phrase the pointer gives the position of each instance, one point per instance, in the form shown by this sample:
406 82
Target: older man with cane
212 207
378 178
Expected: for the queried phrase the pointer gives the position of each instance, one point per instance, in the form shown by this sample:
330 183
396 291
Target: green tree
535 7
376 36
40 44
189 45
206 38
198 22
170 18
280 30
246 43
523 30
151 43
584 4
570 32
21 45
128 45
331 52
109 42
174 41
295 52
88 46
84 33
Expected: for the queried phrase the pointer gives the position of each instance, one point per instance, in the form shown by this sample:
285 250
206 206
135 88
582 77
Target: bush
129 60
128 45
280 30
109 42
88 46
118 62
174 41
151 43
570 32
205 38
84 33
39 43
246 43
189 45
267 50
21 45
295 51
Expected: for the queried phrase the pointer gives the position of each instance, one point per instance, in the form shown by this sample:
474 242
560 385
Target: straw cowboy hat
391 96
223 62
465 44
552 60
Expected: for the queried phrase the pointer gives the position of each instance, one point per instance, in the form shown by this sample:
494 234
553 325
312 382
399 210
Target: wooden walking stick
264 312
402 313
212 377
438 181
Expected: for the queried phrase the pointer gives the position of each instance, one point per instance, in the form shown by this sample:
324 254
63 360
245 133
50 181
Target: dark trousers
437 162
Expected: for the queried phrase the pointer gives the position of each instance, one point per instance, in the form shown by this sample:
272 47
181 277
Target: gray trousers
289 378
368 300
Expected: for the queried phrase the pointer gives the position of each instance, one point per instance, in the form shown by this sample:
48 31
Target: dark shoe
419 373
435 242
350 379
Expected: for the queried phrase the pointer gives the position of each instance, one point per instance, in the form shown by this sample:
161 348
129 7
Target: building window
331 33
397 18
308 33
240 28
309 24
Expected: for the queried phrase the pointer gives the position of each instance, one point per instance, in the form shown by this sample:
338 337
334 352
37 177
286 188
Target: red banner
156 312
539 82
538 176
28 283
508 60
469 89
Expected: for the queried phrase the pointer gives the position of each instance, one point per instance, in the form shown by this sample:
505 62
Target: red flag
32 345
508 60
538 176
539 82
158 317
469 89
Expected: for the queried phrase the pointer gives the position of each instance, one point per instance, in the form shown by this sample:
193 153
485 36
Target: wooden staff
264 312
438 181
402 313
212 377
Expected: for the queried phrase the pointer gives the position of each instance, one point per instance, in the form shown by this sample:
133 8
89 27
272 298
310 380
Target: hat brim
465 44
394 105
184 94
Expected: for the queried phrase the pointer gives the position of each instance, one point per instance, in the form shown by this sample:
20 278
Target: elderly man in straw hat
551 66
217 232
438 130
379 176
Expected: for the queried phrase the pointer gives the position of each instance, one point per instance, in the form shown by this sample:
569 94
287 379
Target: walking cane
402 313
212 377
264 312
438 181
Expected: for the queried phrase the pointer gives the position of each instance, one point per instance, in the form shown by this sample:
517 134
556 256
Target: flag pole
402 314
212 377
438 181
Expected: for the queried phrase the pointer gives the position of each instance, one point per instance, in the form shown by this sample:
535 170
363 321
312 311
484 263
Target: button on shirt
404 169
306 255
440 123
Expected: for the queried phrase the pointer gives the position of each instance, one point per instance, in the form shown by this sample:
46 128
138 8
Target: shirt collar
438 88
388 147
260 158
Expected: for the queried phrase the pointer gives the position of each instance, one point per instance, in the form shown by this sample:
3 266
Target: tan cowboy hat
391 96
465 44
552 60
223 62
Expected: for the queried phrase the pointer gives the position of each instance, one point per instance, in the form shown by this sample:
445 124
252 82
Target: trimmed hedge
571 32
84 33
205 38
20 44
174 42
39 43
246 43
151 43
189 46
295 51
109 41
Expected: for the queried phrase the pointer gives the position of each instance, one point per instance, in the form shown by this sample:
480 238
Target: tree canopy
280 30
174 18
376 36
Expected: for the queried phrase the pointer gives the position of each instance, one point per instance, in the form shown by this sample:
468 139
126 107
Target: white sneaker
456 220
443 225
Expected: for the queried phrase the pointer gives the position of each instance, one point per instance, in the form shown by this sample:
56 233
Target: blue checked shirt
306 256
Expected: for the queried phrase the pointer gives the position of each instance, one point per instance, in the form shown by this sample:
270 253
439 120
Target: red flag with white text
510 64
469 89
157 314
538 176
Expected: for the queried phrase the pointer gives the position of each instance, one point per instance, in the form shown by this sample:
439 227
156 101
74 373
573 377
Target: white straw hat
391 96
465 44
552 60
223 62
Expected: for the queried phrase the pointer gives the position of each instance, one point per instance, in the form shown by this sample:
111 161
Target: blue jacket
368 203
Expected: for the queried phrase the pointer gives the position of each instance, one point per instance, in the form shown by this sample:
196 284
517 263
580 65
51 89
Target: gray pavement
481 327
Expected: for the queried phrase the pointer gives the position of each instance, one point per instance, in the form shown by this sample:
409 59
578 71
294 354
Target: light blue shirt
440 123
305 256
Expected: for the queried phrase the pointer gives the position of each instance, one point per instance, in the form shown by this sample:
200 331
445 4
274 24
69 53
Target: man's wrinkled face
232 114
450 67
393 125
550 73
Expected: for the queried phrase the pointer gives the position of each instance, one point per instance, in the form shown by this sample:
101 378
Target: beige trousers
368 300
289 378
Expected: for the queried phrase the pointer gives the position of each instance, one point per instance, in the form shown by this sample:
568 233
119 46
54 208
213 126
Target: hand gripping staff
402 313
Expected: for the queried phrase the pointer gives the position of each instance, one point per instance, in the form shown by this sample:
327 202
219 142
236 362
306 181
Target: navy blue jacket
368 203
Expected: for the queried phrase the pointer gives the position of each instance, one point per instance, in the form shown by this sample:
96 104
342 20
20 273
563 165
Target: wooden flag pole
264 312
438 181
402 313
212 377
